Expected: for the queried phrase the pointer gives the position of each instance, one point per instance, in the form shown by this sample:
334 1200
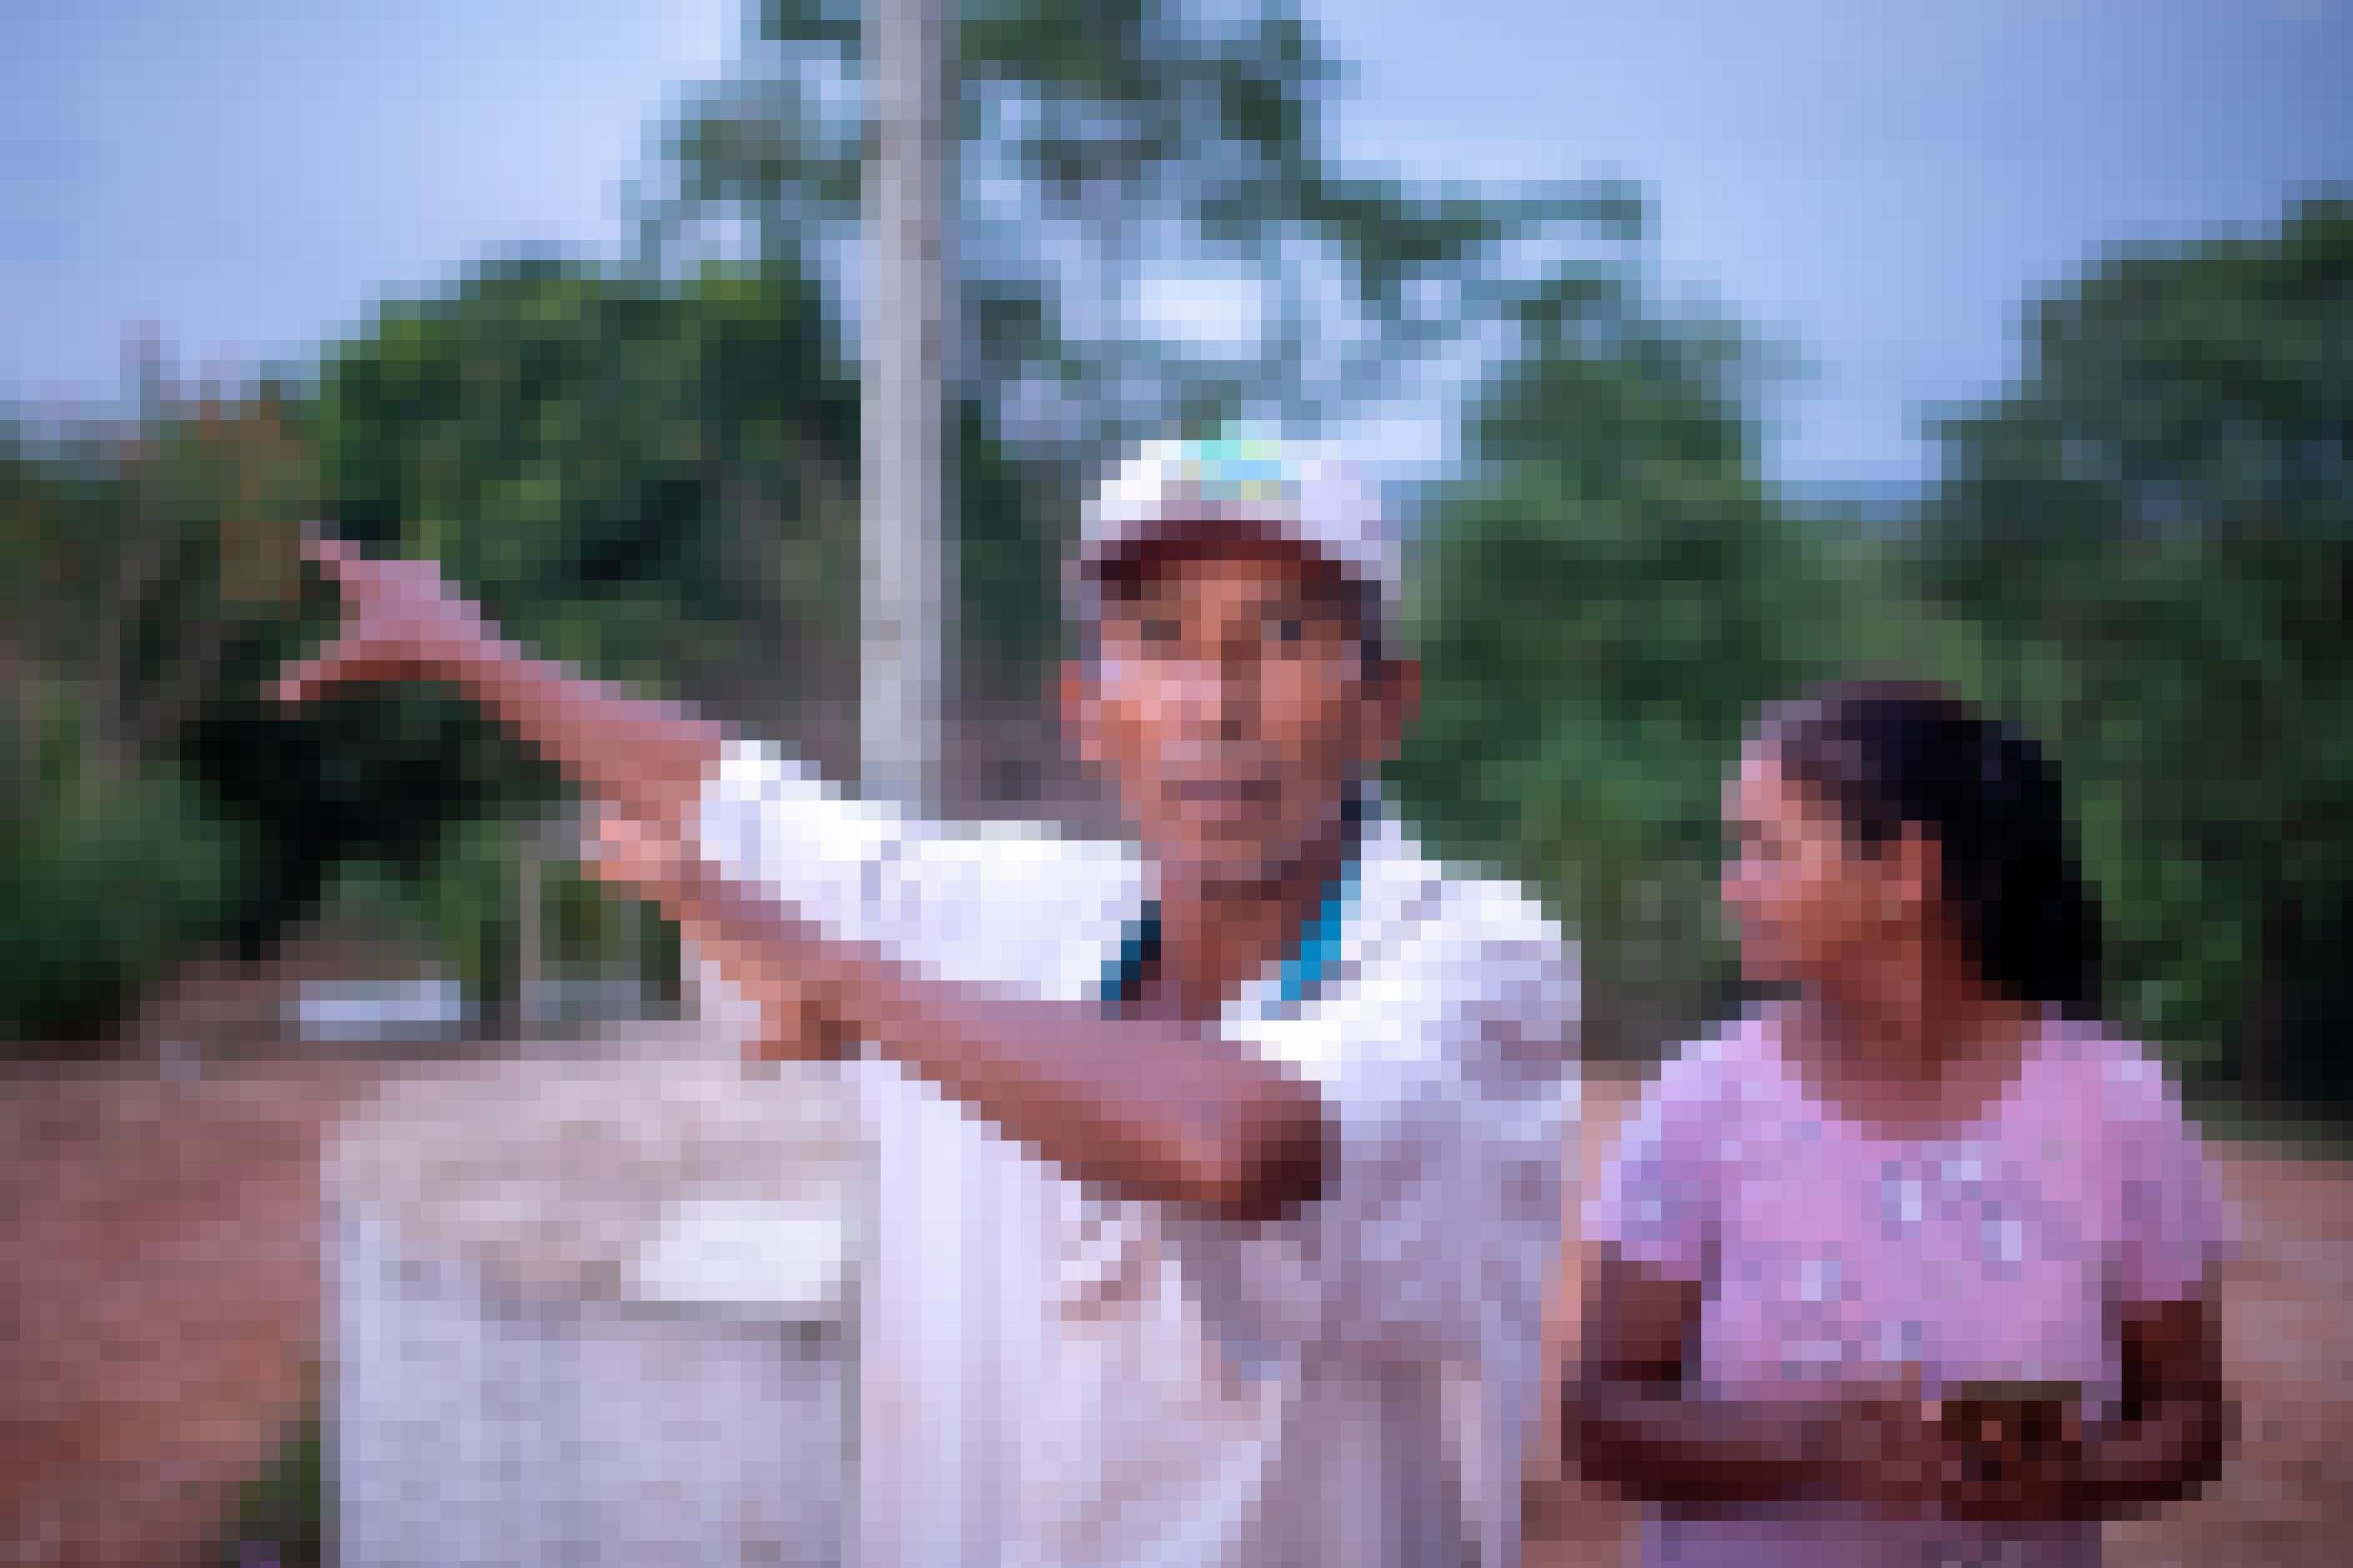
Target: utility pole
909 335
904 1371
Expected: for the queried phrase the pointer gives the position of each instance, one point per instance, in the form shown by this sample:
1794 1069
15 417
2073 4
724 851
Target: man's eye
1158 630
1288 629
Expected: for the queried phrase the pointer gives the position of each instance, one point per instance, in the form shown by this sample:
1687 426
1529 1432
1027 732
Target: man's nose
1216 693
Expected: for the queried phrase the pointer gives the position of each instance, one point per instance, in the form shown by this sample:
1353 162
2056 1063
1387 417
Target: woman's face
1806 899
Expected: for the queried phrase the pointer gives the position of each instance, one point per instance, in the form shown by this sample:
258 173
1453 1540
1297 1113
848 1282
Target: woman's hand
2009 1473
1966 1459
1886 1442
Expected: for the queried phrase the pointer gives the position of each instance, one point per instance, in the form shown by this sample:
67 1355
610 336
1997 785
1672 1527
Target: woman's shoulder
2111 1087
2168 1205
2109 1068
1737 1060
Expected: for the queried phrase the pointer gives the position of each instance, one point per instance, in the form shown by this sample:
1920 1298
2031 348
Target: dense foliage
649 468
139 568
1604 601
2153 533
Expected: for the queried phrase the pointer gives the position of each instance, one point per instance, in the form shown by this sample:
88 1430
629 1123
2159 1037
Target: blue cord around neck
1301 970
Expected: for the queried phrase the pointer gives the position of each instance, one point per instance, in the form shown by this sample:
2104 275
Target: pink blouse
1996 1251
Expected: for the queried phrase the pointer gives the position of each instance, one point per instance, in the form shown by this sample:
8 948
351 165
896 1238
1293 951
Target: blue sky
1878 182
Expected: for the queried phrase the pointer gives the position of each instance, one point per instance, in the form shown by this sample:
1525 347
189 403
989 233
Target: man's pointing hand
402 621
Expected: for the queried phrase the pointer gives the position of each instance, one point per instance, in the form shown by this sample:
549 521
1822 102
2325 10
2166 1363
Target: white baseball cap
1293 491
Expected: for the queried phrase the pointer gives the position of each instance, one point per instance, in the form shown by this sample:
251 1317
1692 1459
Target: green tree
646 478
1604 603
2155 529
632 474
140 560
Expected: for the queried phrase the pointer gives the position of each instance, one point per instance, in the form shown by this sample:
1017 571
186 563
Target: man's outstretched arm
1149 1111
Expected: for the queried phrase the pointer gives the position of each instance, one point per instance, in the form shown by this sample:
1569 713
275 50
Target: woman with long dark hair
1914 1265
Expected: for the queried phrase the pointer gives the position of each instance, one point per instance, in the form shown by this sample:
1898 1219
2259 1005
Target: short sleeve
1658 1201
2173 1225
993 902
766 819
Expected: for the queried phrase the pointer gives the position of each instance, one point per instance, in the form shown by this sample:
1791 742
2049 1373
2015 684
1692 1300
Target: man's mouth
1226 796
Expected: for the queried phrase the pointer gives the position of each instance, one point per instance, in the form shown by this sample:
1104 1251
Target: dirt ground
159 1313
159 1278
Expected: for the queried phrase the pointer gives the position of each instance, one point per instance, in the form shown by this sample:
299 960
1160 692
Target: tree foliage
1603 604
1110 153
2155 527
629 474
141 563
649 468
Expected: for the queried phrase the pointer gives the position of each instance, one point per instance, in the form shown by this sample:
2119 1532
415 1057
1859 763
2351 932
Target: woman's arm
2169 1437
1634 1420
2166 1439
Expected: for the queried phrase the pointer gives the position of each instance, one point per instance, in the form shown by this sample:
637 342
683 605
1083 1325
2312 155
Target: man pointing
1220 1171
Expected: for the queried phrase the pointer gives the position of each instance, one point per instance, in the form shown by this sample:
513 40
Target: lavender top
1996 1251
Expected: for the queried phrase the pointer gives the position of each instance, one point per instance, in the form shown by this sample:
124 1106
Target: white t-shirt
1052 1378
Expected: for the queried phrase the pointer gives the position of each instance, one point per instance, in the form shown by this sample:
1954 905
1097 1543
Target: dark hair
1893 754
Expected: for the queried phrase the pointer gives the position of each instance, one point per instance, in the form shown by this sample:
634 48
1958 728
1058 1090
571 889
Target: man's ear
1401 688
1076 694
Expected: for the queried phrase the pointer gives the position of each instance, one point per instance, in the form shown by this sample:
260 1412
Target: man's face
1233 706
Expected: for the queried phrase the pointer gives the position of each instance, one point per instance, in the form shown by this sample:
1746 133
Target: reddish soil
159 1278
159 1319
